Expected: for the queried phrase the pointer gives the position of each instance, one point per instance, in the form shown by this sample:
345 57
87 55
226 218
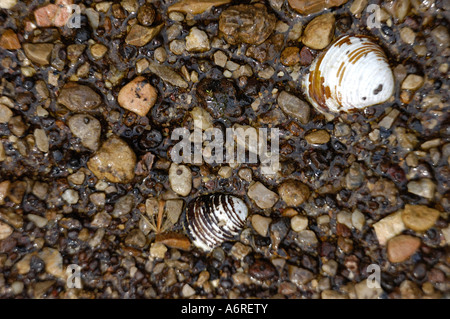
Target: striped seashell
213 219
352 74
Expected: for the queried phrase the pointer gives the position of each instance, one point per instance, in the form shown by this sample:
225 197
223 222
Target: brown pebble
400 248
9 40
262 269
290 56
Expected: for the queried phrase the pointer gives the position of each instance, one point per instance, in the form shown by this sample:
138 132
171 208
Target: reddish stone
9 40
306 56
44 16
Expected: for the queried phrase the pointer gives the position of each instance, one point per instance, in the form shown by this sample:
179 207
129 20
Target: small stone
262 269
423 187
180 178
176 16
146 14
5 230
93 17
79 98
40 288
158 250
400 248
98 199
187 291
266 73
138 96
17 287
140 36
239 251
174 31
38 220
96 240
318 137
167 74
41 140
197 41
293 106
244 23
220 59
115 161
135 239
77 178
123 206
130 5
2 156
441 36
309 7
355 176
40 190
9 40
160 54
299 276
53 262
38 52
299 223
419 217
365 291
101 220
295 32
319 32
412 82
87 128
74 52
70 196
202 119
407 35
245 174
177 46
388 227
195 6
330 267
332 294
263 197
225 172
261 224
358 220
7 4
358 7
98 51
293 192
290 56
389 119
5 114
446 233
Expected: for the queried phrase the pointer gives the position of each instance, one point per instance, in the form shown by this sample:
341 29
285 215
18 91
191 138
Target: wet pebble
180 178
138 96
263 197
293 192
261 224
114 161
319 32
87 128
401 247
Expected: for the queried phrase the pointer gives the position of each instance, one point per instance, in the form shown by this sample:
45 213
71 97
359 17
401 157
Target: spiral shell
214 219
352 74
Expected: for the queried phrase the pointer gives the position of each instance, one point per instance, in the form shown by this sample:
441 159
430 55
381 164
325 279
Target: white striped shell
214 219
353 73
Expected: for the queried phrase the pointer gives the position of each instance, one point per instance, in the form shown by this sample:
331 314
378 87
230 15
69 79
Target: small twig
162 203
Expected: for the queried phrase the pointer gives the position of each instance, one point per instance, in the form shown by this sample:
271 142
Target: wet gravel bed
87 179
